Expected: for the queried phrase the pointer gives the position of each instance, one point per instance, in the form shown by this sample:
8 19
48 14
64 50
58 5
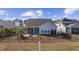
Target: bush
6 32
66 35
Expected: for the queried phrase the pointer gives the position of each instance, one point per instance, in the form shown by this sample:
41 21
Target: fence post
39 45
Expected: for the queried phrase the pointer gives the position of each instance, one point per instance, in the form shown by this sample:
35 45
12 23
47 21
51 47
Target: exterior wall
75 29
61 28
68 30
67 22
33 30
46 28
75 26
6 24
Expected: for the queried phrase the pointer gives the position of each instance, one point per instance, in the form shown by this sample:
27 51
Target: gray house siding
40 26
32 30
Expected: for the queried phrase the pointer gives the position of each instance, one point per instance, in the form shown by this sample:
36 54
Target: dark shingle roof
6 24
36 22
66 19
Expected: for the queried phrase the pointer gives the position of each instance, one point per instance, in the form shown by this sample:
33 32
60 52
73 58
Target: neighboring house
73 28
67 26
6 24
40 26
68 21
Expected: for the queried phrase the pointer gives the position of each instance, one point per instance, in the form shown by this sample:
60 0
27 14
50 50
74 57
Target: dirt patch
31 44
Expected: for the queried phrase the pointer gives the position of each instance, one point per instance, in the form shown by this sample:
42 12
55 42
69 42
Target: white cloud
54 16
23 18
28 13
33 13
39 13
6 14
9 18
70 11
3 12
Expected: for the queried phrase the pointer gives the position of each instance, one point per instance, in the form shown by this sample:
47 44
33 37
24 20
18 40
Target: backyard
46 44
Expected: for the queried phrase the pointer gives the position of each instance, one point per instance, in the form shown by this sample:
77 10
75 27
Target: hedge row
7 32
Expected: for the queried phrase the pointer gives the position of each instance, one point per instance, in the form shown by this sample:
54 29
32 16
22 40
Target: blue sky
25 13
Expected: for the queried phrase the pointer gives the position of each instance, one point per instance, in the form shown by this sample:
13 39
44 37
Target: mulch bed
44 39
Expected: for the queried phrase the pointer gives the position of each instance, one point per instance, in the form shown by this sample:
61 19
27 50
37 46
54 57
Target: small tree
2 33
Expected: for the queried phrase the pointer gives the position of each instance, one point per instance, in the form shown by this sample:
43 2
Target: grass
31 44
62 46
18 46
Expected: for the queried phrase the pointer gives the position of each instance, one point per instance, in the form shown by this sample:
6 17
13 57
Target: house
73 28
68 26
67 21
40 26
6 24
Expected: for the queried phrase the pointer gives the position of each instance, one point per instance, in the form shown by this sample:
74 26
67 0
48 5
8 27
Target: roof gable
37 22
65 19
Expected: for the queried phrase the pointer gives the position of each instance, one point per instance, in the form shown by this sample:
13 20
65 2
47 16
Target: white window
42 31
48 31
